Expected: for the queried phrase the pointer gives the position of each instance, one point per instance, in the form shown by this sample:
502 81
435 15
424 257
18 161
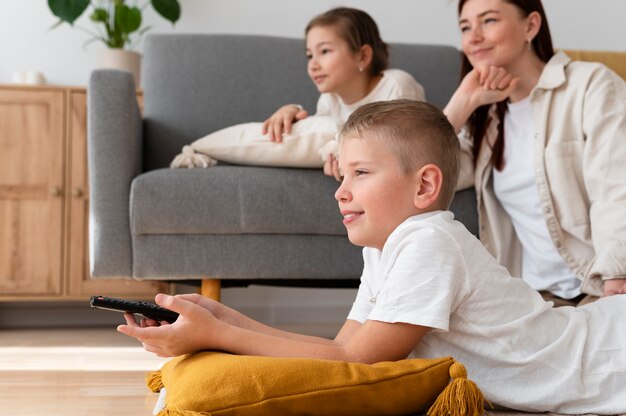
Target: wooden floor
74 372
83 372
78 372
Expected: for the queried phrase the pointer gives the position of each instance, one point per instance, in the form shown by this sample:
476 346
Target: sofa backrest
195 84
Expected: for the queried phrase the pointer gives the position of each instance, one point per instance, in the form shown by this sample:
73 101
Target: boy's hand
211 305
281 121
614 287
216 308
195 329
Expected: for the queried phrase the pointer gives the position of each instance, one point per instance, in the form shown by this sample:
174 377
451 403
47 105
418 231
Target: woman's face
493 32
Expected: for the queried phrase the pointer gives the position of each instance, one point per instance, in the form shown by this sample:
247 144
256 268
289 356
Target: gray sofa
239 224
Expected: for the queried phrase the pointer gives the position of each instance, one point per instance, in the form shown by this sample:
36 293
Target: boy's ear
429 180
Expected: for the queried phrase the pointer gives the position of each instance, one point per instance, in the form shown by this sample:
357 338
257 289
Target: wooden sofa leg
211 288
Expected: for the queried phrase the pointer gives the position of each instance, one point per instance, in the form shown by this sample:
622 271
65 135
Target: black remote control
146 309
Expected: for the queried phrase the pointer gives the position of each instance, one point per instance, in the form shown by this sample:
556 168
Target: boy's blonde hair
416 132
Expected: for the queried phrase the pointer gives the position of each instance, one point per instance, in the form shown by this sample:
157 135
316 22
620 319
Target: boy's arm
198 329
373 342
232 317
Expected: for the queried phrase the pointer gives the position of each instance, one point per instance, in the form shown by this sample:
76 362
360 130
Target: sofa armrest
114 159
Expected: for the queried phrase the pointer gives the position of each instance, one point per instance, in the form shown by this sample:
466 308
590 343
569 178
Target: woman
543 141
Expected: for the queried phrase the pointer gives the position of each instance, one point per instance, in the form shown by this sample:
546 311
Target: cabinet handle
77 192
55 191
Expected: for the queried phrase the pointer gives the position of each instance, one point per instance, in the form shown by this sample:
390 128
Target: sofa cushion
265 257
175 201
223 384
235 200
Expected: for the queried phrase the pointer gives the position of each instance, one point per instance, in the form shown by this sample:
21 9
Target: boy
429 288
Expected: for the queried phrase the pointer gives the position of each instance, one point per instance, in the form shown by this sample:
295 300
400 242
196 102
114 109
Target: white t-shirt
522 352
395 84
542 266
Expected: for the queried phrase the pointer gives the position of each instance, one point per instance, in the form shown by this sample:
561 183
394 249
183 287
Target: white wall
27 43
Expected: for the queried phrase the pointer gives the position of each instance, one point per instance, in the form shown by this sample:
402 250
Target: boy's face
375 195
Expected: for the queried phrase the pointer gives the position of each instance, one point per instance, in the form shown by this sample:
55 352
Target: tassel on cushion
154 381
461 397
189 158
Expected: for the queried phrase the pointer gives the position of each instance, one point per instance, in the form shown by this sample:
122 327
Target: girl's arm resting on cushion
198 329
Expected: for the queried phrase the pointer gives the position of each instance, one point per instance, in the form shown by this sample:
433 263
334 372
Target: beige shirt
579 110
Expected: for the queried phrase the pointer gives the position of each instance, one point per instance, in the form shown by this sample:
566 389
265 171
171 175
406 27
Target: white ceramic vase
121 59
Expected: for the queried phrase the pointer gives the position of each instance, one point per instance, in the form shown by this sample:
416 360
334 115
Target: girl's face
375 195
493 32
332 66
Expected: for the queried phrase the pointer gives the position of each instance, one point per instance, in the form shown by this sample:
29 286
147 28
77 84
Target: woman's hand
481 86
331 167
488 85
281 121
195 329
614 287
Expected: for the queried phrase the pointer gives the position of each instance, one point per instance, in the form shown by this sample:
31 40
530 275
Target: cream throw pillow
307 146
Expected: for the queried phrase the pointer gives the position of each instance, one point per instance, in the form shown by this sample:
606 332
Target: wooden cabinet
32 137
44 199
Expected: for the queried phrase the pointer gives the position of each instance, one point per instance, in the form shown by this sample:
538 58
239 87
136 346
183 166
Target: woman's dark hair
479 120
357 28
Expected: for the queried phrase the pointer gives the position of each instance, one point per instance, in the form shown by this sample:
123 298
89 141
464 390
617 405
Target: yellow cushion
223 384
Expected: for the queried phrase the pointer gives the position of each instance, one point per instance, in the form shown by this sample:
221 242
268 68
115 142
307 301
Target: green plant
115 19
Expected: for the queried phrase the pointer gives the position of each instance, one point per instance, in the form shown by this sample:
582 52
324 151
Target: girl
348 64
542 137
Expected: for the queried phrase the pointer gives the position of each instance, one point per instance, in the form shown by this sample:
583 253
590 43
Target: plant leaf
127 19
169 9
100 15
68 10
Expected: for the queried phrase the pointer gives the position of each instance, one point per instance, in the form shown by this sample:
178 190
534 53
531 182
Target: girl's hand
195 329
331 167
281 121
614 287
